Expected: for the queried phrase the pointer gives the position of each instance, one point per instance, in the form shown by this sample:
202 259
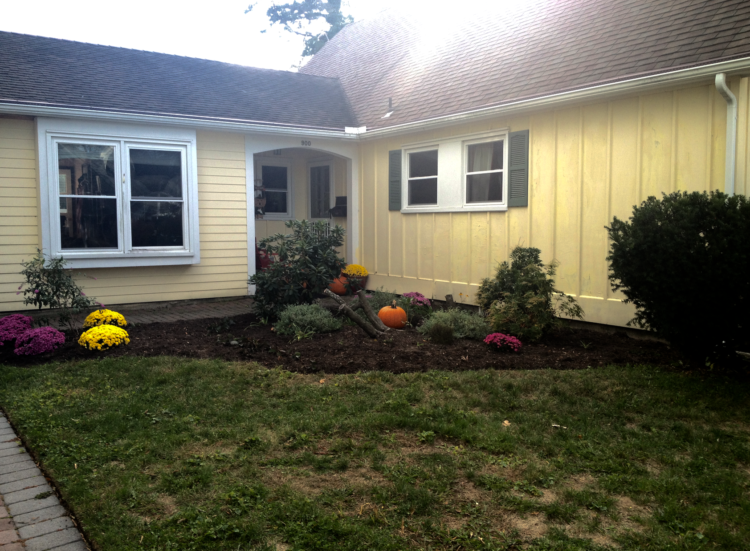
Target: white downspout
726 93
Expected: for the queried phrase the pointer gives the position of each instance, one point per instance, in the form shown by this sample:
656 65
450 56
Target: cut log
352 315
375 320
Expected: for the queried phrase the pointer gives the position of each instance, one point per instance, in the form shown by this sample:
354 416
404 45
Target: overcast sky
210 29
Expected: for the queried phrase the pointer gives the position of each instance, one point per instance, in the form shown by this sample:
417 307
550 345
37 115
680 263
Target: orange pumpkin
393 316
338 286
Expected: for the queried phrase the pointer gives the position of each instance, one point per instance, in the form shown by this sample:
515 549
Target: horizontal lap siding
19 218
588 164
222 271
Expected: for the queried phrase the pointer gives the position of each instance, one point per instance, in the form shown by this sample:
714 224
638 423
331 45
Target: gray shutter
518 171
394 180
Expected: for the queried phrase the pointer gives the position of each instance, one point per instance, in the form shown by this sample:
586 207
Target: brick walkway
175 311
31 516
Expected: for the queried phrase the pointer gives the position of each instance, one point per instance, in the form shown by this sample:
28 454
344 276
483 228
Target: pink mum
38 341
13 326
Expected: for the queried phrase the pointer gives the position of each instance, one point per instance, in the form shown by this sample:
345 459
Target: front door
321 196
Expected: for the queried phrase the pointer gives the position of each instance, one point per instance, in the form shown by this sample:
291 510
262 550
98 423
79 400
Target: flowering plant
103 337
104 317
503 342
38 341
13 326
355 270
417 299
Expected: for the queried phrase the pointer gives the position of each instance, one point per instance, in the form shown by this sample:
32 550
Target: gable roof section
511 52
51 72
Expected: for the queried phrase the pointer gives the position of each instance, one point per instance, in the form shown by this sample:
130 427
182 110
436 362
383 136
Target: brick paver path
146 313
31 516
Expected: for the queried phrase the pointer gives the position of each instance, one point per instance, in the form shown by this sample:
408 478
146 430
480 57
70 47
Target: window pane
423 192
482 188
88 223
274 177
275 202
90 168
424 163
156 223
320 192
485 156
155 173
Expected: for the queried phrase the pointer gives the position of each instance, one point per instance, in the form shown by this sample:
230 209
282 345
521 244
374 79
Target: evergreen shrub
306 263
465 324
521 300
683 261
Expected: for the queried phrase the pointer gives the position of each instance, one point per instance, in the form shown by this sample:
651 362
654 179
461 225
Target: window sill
477 208
83 261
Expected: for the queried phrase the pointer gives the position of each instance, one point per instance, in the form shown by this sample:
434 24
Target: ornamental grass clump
104 337
503 342
465 324
306 318
104 317
13 326
39 341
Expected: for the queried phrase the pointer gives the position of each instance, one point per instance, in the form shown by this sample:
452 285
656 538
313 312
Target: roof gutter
731 144
229 125
638 84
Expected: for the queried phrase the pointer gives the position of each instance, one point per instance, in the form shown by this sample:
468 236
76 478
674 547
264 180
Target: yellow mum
355 270
104 317
103 337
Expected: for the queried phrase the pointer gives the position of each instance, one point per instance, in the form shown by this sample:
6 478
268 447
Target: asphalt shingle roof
514 51
57 72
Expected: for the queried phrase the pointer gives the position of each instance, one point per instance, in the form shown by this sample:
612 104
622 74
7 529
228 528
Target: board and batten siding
588 164
222 271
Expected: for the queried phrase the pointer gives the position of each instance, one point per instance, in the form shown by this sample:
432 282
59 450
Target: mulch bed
350 350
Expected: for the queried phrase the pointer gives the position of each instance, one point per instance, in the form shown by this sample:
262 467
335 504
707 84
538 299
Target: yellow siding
222 271
588 164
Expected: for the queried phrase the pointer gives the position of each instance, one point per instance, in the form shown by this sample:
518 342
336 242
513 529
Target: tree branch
344 307
375 320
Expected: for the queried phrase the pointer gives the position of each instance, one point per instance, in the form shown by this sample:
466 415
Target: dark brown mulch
350 350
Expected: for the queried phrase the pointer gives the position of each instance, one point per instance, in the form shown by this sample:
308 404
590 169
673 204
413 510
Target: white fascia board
229 125
620 88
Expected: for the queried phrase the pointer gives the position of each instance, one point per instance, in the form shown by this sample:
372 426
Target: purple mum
13 326
503 342
417 299
38 341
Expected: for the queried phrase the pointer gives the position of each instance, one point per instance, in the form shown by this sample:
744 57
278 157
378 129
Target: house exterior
451 144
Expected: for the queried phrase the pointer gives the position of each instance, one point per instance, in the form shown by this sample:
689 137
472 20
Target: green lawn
166 453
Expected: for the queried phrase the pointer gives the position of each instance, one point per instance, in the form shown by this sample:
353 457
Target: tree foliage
294 16
684 262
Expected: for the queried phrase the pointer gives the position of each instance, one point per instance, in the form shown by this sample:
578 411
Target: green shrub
306 318
307 263
380 299
465 324
521 299
49 284
440 333
683 262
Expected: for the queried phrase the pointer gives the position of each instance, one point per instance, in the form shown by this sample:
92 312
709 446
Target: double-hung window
118 195
457 174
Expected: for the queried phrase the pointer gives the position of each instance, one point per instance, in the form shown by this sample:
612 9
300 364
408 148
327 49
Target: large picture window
118 200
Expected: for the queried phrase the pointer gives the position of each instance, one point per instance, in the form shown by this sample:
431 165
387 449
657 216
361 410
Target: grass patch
167 453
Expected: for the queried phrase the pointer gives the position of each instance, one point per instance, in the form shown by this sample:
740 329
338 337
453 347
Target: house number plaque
306 143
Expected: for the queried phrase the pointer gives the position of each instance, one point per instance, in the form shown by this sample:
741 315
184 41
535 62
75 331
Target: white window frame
123 137
503 171
260 162
331 190
406 179
452 163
